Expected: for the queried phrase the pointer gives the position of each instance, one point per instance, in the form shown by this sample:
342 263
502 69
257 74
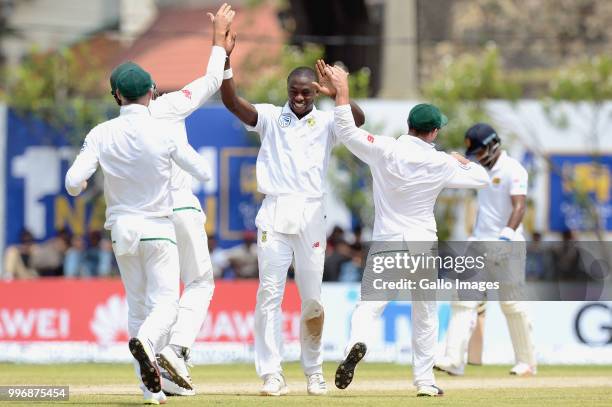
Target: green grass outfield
375 384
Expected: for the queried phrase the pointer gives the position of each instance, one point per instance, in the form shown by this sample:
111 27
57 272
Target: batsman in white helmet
409 174
187 214
501 209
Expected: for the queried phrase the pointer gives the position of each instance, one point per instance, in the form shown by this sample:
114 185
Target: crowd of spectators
61 255
91 256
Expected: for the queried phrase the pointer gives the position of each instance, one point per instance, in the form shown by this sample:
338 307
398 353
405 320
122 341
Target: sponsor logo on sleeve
370 138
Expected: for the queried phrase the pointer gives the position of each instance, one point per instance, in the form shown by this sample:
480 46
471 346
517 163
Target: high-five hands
324 84
222 21
338 78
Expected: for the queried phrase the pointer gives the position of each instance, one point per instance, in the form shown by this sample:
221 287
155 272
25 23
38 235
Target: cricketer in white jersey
136 152
408 174
188 216
296 143
501 207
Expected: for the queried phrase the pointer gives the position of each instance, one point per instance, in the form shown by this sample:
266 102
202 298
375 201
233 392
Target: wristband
506 233
228 74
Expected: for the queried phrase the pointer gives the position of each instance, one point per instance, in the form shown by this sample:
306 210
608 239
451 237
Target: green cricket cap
426 117
119 69
133 82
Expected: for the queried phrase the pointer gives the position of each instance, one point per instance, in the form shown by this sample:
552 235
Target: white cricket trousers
151 281
424 334
196 275
275 251
424 320
511 274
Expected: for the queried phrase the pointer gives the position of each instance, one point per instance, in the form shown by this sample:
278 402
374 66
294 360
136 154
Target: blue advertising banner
580 192
37 158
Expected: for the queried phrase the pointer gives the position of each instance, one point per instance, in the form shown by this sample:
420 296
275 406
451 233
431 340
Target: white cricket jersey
508 177
135 152
408 174
294 153
175 107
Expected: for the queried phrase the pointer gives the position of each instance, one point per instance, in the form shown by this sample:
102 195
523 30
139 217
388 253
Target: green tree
62 88
589 80
461 90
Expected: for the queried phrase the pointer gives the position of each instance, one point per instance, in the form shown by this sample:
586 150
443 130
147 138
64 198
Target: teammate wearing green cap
409 174
127 81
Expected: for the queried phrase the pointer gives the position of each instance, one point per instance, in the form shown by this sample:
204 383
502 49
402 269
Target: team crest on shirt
284 120
264 236
186 93
496 181
311 122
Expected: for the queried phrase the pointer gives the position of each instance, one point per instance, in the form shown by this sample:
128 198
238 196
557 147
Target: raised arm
464 173
189 160
83 166
367 147
326 87
180 104
240 107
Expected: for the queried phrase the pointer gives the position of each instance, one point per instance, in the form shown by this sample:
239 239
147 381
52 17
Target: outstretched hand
338 78
222 21
459 158
324 84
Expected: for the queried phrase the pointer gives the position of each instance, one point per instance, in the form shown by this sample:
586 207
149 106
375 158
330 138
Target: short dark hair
302 71
418 133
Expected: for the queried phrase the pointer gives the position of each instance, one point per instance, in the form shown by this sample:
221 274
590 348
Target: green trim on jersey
151 239
185 208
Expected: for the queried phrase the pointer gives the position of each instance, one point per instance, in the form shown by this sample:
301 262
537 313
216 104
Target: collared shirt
294 153
408 174
175 107
508 177
135 152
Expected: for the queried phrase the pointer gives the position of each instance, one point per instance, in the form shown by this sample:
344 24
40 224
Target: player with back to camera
296 143
409 174
187 214
501 207
136 152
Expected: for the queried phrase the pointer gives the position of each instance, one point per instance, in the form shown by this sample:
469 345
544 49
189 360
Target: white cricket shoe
170 388
153 398
429 391
316 385
443 364
173 361
274 385
523 369
142 350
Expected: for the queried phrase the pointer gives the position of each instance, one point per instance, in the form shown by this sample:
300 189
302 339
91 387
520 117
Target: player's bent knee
313 317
